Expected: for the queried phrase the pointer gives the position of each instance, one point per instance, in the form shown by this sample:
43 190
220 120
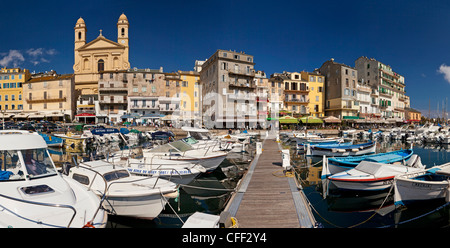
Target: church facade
92 58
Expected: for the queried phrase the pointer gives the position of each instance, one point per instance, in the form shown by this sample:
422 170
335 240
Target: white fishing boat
370 176
179 172
125 194
180 151
431 184
34 194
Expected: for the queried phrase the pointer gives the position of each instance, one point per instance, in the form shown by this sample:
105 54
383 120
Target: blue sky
411 36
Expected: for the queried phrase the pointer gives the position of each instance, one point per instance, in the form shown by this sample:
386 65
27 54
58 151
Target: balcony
113 89
113 101
145 107
297 91
46 100
385 94
296 101
241 72
242 85
250 97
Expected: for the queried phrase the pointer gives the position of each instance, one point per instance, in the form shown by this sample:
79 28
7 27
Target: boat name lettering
421 185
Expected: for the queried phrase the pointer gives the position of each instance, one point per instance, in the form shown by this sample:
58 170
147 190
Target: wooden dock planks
268 201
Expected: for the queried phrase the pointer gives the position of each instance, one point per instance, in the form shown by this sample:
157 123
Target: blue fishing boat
339 164
320 141
341 150
52 141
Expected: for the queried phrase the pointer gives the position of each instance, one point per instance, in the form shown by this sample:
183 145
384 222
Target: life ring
89 225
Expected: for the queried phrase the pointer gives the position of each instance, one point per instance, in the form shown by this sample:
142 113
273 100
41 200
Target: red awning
413 120
85 114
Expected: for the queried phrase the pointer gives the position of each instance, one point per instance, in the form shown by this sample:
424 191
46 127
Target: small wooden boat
431 184
52 141
340 150
339 164
370 176
321 141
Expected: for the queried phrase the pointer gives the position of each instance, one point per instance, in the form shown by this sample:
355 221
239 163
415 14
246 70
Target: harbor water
341 209
210 192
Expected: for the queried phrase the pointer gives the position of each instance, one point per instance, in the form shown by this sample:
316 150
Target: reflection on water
334 208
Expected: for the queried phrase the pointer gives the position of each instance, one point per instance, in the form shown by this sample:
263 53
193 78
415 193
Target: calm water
210 193
362 210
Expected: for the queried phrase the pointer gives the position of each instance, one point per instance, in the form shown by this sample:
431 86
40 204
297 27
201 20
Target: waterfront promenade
268 199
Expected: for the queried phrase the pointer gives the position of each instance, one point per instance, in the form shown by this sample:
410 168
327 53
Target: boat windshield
114 175
176 146
200 135
38 162
10 166
190 140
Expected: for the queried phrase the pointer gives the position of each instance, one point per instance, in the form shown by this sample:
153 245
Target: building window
101 65
123 31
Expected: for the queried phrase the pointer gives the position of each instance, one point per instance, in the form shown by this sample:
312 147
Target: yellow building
316 92
50 96
189 95
11 91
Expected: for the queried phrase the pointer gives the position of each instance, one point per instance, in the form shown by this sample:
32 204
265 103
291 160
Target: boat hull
143 207
178 176
335 152
374 184
410 190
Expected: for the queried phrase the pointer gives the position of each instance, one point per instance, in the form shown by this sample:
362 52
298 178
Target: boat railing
40 204
102 199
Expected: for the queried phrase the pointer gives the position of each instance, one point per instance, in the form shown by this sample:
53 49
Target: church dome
80 21
123 17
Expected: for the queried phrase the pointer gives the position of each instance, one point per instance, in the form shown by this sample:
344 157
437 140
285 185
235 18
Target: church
92 58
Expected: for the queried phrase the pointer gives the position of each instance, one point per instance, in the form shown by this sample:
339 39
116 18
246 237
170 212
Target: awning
351 117
85 115
288 120
152 116
22 115
36 116
132 115
310 119
332 119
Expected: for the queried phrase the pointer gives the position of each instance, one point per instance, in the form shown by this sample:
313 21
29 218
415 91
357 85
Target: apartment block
11 95
340 90
316 93
229 90
50 96
391 100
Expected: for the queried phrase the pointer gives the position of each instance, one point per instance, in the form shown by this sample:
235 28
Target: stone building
229 90
340 90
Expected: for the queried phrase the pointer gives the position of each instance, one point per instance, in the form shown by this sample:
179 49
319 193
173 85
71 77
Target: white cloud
13 58
444 69
35 56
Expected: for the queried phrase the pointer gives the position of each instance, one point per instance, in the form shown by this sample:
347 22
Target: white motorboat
180 151
34 194
431 184
180 172
126 194
369 176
